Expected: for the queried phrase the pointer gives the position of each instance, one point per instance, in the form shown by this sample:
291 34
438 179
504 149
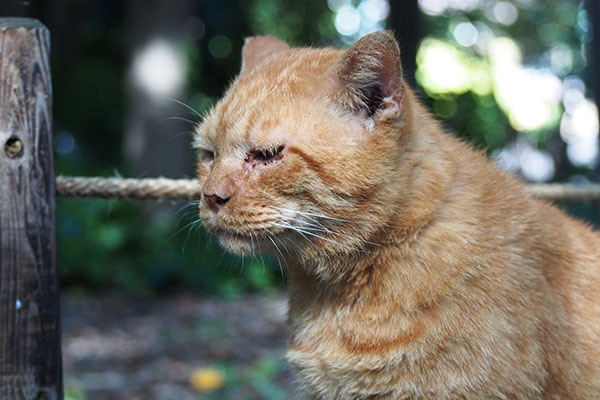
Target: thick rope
565 191
140 189
189 189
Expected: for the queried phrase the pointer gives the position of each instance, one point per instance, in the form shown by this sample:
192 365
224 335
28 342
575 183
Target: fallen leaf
207 379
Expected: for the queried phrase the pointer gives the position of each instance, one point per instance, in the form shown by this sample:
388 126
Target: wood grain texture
30 356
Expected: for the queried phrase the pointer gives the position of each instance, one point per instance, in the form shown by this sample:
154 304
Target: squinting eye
206 155
265 155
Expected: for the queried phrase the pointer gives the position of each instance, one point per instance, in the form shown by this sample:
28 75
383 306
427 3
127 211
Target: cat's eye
206 155
266 155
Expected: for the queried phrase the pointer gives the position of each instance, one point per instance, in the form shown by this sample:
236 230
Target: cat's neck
423 182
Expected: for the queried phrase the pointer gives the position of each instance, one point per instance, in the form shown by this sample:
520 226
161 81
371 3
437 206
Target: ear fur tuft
256 49
369 76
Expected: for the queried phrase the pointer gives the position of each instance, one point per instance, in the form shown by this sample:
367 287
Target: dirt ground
121 348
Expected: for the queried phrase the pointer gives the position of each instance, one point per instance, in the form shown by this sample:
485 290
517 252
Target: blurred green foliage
114 244
298 23
551 39
552 36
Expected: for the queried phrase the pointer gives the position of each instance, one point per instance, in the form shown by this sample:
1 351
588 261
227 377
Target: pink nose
215 202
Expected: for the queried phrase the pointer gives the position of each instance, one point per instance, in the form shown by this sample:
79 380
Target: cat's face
295 157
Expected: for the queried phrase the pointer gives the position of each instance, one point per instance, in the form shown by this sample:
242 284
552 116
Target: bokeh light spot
466 34
220 46
505 12
347 20
159 69
64 142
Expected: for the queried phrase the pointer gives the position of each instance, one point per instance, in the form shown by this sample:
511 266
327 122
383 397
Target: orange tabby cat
417 269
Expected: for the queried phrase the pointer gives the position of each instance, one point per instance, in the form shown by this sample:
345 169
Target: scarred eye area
206 155
267 155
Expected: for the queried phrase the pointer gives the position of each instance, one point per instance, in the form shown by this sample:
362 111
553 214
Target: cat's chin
236 245
239 244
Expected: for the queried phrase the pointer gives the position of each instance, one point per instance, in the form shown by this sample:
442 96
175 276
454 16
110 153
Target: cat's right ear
368 77
256 49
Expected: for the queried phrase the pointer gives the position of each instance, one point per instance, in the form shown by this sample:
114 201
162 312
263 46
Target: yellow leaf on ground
207 379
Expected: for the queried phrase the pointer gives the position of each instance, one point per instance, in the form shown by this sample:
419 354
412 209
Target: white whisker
318 227
192 109
313 214
176 119
279 259
194 222
299 230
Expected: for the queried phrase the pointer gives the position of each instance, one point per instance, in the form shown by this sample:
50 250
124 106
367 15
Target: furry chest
325 375
430 367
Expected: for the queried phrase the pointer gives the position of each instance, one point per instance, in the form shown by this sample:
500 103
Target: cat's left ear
369 77
258 48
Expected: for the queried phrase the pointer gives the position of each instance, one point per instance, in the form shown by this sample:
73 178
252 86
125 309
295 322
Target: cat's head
300 155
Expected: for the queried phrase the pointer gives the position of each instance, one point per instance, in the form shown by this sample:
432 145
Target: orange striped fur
417 269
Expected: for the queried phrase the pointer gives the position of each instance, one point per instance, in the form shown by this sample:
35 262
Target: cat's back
571 257
546 262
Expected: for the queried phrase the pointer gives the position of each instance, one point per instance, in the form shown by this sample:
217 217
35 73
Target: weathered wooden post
30 355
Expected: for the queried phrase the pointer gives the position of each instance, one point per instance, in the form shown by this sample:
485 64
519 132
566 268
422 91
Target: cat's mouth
250 238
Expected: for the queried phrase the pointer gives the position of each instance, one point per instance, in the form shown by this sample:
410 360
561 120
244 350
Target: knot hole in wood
13 147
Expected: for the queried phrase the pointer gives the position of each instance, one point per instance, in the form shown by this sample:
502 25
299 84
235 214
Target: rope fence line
128 188
565 191
189 189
